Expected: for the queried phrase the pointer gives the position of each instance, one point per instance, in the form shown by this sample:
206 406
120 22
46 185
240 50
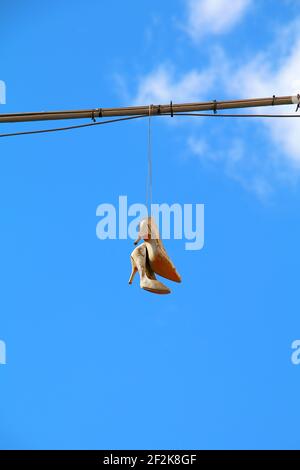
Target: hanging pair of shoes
151 258
140 263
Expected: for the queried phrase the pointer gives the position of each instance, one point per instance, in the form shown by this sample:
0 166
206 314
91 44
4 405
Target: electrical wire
78 126
237 115
110 121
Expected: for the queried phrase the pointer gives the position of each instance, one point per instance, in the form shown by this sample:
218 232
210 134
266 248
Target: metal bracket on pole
215 104
296 100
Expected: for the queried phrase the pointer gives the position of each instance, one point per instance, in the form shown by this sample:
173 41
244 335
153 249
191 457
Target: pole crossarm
155 110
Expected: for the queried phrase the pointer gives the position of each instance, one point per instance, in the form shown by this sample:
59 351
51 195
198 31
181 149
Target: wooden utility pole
154 110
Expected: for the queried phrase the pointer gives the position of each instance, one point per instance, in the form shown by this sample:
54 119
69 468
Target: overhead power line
91 124
144 110
134 112
69 128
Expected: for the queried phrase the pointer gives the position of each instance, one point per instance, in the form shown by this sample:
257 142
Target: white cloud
161 86
198 146
237 162
214 16
261 78
273 70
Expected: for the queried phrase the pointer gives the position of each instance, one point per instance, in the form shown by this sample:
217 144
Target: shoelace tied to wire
149 173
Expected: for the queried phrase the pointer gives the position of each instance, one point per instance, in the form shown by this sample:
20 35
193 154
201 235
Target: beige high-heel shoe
140 262
159 260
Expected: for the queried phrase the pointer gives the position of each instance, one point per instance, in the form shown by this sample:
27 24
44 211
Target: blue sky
92 362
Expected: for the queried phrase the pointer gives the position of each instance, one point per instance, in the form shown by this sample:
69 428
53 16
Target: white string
149 175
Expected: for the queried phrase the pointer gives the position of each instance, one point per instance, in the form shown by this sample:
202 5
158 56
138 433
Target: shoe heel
133 270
